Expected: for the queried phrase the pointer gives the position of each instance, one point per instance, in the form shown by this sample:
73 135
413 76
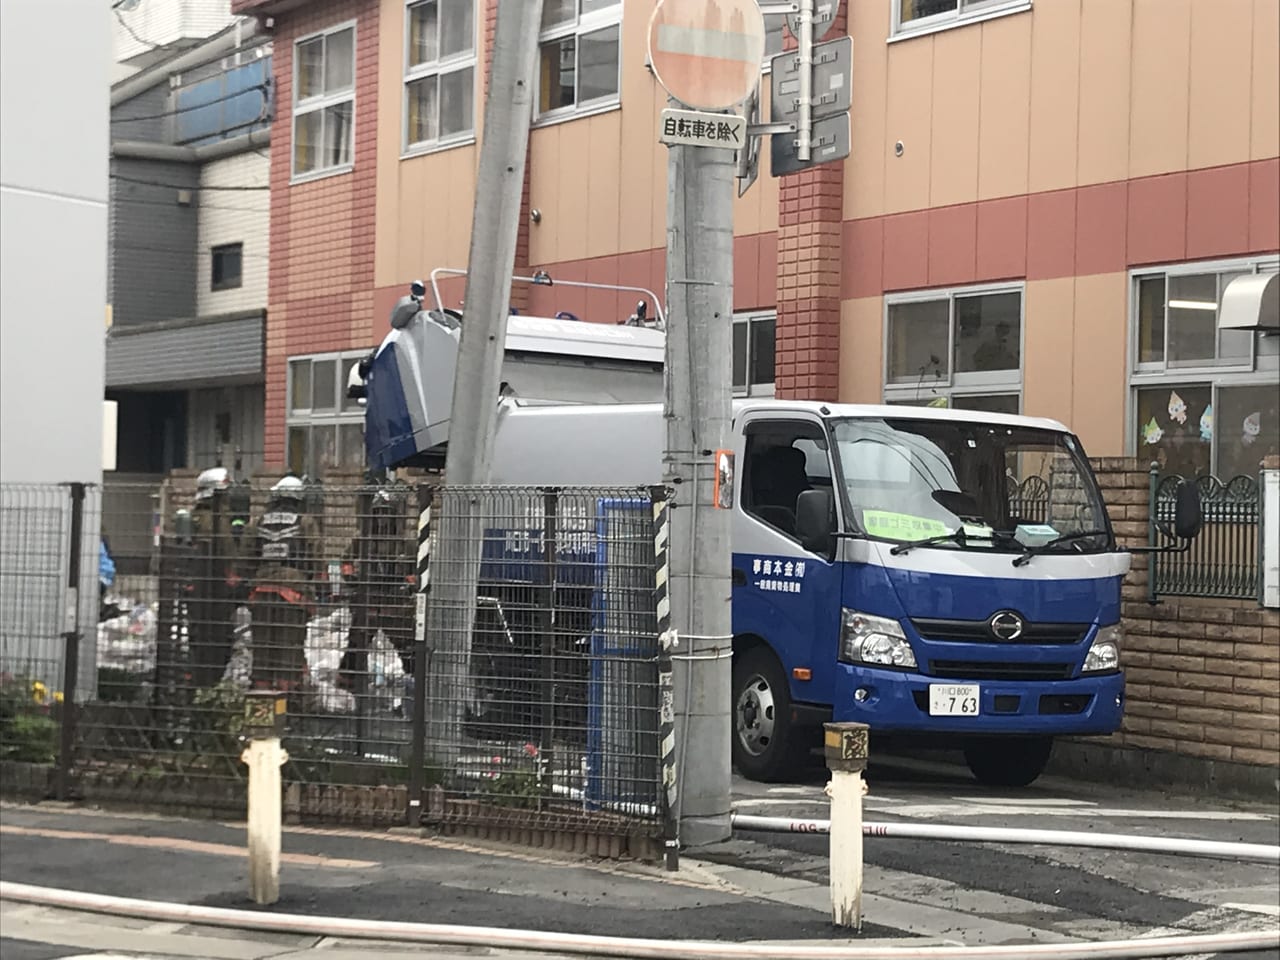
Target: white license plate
953 699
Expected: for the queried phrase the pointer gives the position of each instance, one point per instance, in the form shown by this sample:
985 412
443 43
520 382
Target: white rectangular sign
692 128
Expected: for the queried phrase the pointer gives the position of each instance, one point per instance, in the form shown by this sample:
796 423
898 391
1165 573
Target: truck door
783 593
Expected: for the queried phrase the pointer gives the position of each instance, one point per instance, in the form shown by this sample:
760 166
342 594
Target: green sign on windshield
901 526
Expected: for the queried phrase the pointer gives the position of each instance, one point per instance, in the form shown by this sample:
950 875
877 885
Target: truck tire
762 730
1008 762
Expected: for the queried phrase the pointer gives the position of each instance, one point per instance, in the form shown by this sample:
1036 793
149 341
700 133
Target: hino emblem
1006 625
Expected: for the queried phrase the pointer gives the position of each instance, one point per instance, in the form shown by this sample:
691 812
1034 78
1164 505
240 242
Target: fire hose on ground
1179 846
601 946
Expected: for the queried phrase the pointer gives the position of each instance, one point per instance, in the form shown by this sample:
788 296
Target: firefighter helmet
288 488
212 481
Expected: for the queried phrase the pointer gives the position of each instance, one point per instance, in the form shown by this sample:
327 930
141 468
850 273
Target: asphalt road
757 886
1048 891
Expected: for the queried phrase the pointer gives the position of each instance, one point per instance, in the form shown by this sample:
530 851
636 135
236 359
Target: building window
753 355
325 427
579 56
922 16
955 348
440 73
1204 400
324 92
226 269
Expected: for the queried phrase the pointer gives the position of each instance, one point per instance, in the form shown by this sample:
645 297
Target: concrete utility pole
699 358
707 57
490 264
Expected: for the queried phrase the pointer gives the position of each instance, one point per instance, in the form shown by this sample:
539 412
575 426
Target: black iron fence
538 711
1224 560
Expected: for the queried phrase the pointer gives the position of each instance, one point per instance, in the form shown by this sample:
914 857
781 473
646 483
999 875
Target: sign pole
699 352
708 58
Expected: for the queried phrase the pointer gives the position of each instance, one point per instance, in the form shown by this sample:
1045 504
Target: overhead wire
261 88
181 186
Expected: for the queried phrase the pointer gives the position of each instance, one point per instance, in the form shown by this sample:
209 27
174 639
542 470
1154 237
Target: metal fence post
551 507
417 750
666 689
1152 516
71 654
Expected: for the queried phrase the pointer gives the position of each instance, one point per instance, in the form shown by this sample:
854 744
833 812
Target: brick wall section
320 292
519 291
1202 675
810 214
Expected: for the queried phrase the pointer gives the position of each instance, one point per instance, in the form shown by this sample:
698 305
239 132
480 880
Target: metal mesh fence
545 694
545 712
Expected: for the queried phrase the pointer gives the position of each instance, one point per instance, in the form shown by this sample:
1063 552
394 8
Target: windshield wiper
957 536
1029 552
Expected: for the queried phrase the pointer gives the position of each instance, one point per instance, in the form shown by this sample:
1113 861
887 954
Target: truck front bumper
891 700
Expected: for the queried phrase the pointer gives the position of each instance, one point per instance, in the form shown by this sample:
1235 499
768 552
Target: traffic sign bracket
764 129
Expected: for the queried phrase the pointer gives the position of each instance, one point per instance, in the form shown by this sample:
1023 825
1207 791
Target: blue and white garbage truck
946 574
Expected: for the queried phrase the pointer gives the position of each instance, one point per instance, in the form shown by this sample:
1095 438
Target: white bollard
264 718
845 747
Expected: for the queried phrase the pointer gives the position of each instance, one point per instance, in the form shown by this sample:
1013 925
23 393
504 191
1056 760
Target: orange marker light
802 673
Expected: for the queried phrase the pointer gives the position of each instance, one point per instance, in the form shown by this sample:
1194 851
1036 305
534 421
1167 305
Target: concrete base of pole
700 831
264 759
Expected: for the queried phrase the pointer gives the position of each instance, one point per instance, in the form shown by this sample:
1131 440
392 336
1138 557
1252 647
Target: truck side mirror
1187 515
815 516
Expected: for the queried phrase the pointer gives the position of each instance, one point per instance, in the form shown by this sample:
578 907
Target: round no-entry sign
707 53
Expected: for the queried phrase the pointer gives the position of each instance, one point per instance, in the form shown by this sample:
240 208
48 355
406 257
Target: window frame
439 67
577 27
214 284
975 384
309 418
1261 370
322 102
758 422
751 389
966 12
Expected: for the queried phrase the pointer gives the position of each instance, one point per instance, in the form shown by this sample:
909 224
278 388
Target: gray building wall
55 58
153 240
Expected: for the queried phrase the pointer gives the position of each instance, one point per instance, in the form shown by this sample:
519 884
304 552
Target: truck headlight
1104 652
875 640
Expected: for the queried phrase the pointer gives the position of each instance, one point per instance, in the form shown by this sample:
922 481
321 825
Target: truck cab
947 574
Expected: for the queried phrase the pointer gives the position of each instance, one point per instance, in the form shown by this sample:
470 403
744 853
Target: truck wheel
762 731
1008 762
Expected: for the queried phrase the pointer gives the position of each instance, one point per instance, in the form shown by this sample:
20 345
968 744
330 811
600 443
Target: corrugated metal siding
185 354
241 216
154 107
152 241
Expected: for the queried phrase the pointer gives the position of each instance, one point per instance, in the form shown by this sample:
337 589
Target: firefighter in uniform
282 599
212 589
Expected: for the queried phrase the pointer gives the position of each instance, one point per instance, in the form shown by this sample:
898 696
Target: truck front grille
978 631
994 670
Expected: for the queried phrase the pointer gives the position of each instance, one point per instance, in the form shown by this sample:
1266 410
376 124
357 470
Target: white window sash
576 27
967 11
323 101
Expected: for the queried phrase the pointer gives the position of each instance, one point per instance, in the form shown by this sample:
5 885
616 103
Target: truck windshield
969 486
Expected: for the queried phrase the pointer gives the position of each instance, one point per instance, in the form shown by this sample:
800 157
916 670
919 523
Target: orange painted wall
1067 94
599 182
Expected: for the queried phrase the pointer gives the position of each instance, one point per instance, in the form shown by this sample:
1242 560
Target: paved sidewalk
381 876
